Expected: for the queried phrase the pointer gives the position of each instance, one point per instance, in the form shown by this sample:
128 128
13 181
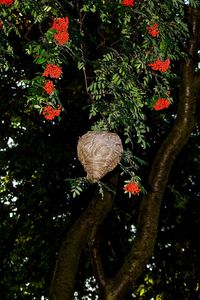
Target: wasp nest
99 152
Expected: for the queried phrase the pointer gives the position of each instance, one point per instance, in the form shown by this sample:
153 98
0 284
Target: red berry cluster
49 87
50 113
6 2
160 65
161 104
128 3
153 29
132 187
61 26
52 71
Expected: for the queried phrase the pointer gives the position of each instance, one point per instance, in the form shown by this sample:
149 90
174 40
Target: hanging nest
99 152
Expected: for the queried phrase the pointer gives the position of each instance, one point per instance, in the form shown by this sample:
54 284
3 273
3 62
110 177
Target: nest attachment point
99 152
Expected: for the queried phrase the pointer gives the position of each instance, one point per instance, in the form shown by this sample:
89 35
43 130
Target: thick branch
62 287
98 267
143 247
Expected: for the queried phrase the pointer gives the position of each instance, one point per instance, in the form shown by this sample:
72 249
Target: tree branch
97 266
62 286
147 225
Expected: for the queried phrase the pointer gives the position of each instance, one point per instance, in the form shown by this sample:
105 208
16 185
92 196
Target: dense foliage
67 67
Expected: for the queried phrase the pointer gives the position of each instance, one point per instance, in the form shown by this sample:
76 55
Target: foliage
106 84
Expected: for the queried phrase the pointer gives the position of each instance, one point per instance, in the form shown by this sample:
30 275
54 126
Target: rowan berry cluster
60 25
153 29
6 2
52 71
50 113
49 87
132 187
128 3
160 65
161 104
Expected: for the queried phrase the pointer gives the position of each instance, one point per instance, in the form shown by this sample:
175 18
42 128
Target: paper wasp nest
99 152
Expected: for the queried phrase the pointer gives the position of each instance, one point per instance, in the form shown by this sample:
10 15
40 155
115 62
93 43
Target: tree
122 77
